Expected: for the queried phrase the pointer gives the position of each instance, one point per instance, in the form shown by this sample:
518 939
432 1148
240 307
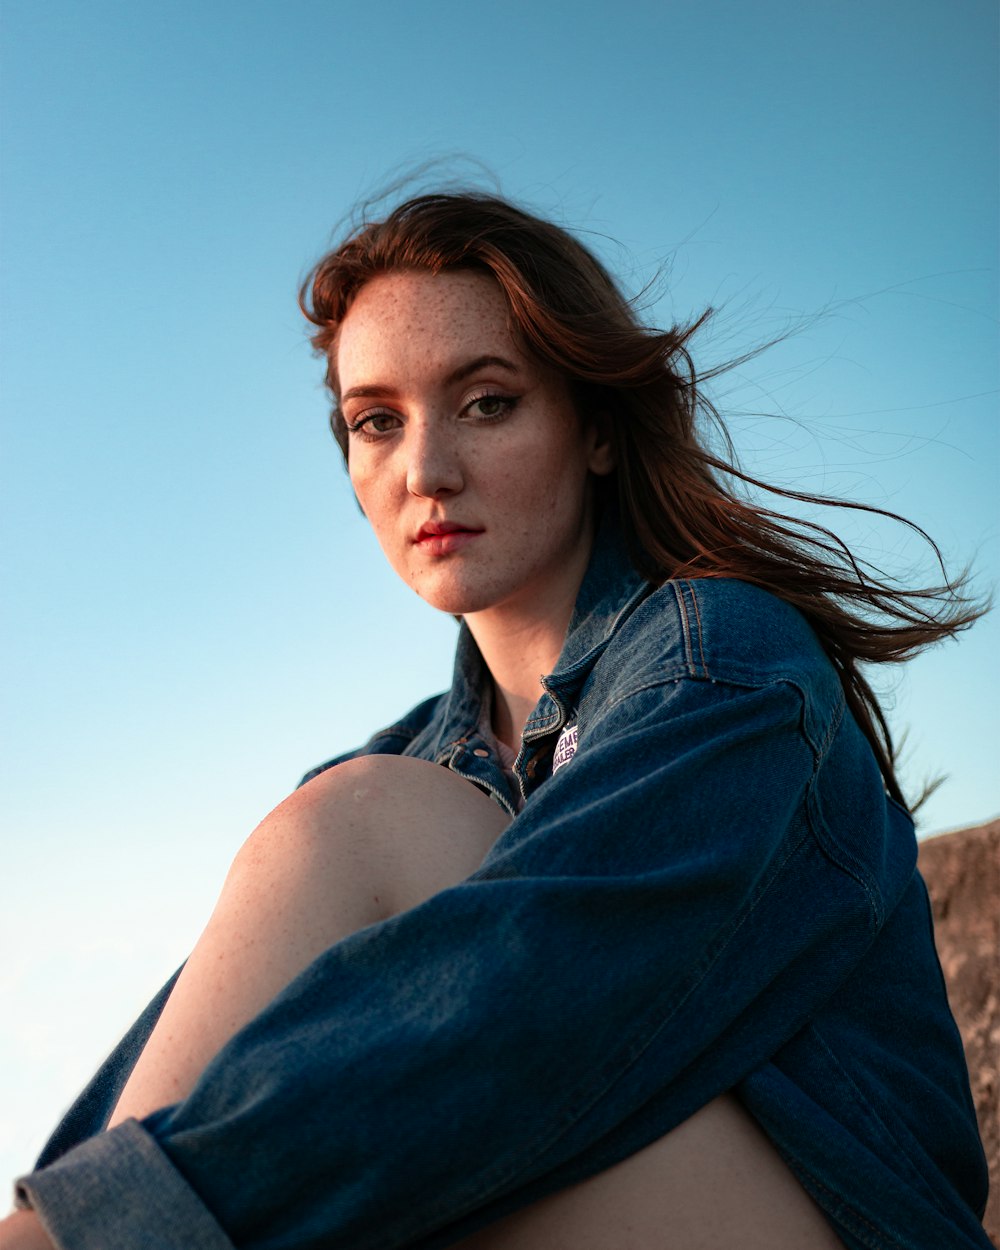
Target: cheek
358 486
544 499
549 447
369 490
558 470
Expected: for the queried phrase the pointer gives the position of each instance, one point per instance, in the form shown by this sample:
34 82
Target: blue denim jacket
707 889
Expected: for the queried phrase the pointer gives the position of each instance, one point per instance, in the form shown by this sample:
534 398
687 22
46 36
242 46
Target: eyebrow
374 390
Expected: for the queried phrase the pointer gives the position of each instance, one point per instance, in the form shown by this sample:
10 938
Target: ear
601 457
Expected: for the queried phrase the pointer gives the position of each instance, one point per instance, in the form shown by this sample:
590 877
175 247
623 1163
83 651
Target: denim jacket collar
611 588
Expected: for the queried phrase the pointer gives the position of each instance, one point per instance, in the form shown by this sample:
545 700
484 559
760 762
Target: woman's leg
371 838
361 842
715 1183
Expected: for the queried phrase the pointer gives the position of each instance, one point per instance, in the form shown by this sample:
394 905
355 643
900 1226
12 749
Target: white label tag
565 748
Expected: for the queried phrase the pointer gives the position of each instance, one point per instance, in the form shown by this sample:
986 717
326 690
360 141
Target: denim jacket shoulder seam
698 626
840 707
682 589
825 837
672 675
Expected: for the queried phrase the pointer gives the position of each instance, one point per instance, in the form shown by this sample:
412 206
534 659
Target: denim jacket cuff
116 1191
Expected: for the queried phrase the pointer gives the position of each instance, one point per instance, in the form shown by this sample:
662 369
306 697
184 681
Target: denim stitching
838 1206
825 838
898 1152
670 678
674 677
685 626
836 717
697 613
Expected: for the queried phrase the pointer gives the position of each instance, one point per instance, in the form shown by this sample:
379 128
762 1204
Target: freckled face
467 456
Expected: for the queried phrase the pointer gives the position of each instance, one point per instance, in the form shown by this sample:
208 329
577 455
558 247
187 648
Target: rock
962 871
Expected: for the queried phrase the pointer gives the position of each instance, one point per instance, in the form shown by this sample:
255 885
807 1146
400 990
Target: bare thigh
714 1183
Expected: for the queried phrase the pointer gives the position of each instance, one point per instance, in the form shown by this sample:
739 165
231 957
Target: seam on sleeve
675 676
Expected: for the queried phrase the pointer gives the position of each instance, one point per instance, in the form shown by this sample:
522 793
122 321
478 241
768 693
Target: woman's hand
23 1231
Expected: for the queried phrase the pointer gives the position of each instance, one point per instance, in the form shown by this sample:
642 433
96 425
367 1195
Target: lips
441 538
432 529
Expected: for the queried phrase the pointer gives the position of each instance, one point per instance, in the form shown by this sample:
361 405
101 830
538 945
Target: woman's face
467 456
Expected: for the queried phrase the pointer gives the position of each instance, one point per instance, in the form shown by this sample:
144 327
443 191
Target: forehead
409 321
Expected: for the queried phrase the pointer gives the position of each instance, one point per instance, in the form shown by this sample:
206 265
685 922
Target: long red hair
684 509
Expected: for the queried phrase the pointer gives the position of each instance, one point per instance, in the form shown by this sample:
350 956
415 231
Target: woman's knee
359 843
393 829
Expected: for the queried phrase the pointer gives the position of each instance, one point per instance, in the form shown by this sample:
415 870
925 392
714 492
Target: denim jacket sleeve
666 911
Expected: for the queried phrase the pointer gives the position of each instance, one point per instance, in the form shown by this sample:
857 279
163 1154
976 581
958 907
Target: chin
456 600
454 605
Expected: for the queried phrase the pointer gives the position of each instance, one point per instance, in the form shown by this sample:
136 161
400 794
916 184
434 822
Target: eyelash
360 426
508 404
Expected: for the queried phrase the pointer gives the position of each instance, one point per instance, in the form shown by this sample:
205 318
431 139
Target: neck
517 653
519 648
521 639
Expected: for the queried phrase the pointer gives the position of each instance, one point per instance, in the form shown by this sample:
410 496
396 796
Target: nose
434 467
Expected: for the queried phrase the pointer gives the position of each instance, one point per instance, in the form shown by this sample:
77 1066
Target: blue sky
196 612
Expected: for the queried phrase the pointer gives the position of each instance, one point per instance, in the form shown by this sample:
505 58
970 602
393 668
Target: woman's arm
632 921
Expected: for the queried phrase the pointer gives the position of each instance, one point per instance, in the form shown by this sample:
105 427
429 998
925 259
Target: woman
647 961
